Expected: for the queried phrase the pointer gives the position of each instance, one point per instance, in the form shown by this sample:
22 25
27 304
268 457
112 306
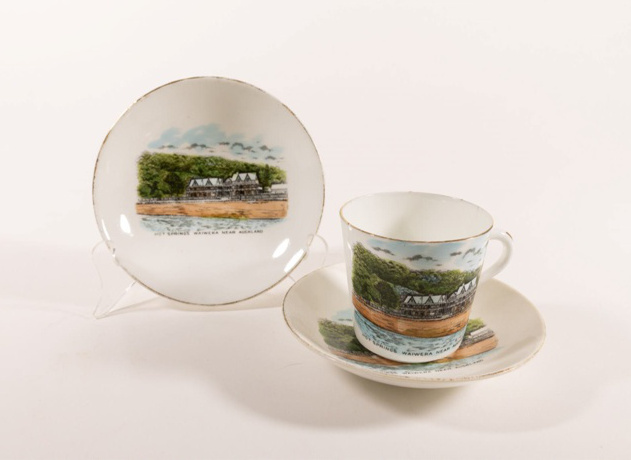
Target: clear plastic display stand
119 291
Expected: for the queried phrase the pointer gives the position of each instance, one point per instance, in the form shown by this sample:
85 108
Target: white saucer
208 191
320 301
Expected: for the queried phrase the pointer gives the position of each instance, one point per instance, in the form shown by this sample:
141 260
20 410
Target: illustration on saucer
339 335
205 181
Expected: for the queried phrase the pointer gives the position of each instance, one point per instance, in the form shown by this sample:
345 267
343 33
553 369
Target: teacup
414 261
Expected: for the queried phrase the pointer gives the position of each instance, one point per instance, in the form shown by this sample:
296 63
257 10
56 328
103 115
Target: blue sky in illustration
206 134
212 139
461 255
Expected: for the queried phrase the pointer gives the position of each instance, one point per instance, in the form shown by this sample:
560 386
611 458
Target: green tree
163 175
369 269
341 337
176 185
387 296
265 177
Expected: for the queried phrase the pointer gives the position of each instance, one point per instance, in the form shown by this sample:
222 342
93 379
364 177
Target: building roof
205 182
236 177
244 177
422 299
414 298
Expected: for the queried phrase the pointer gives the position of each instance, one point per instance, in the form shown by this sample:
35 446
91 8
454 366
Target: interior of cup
415 216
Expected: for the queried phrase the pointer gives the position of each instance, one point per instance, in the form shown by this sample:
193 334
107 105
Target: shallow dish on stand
507 331
208 191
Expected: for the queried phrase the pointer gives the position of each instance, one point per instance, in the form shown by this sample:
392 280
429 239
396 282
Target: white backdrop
521 108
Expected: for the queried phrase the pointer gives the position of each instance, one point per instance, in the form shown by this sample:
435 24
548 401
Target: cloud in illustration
472 251
463 255
421 257
387 251
206 134
206 137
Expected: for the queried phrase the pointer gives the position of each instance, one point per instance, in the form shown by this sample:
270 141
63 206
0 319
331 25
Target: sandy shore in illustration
219 209
413 327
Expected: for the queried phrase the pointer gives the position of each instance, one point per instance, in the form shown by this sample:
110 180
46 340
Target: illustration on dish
204 181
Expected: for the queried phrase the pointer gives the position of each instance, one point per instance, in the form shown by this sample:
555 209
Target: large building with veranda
237 186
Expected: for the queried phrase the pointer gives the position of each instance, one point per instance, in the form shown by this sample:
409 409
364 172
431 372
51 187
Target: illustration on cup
414 299
339 336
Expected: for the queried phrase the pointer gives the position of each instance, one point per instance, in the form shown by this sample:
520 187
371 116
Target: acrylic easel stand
119 291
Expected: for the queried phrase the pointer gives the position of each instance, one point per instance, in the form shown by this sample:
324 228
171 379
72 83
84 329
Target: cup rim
368 195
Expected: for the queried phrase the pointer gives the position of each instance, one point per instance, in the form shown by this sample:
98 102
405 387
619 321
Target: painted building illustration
438 306
239 186
414 306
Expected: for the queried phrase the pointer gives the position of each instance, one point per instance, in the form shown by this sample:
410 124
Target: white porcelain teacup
414 261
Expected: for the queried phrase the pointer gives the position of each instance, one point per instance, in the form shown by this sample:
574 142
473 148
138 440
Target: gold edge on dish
230 80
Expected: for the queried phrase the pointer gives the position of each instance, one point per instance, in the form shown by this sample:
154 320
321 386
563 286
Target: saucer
505 332
208 191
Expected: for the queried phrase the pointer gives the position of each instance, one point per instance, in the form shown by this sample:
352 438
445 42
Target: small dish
208 191
505 332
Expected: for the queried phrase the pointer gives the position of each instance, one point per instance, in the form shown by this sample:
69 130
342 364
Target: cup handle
507 242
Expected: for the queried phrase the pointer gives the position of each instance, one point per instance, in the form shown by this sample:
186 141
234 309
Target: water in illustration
339 335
